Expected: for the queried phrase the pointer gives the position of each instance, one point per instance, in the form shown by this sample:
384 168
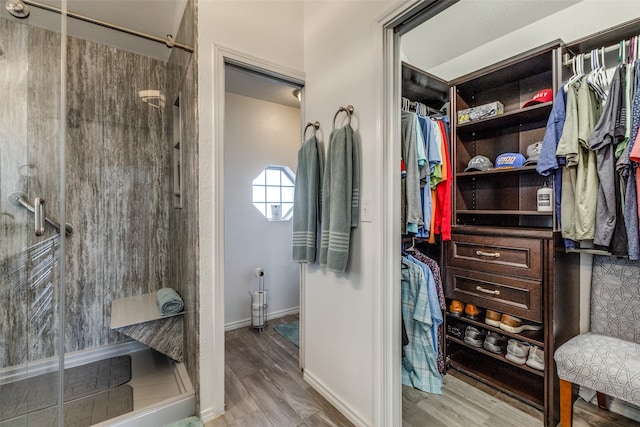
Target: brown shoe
492 318
455 309
515 325
471 311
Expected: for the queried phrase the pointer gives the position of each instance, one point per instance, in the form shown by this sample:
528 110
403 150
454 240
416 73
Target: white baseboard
207 415
247 322
31 369
354 416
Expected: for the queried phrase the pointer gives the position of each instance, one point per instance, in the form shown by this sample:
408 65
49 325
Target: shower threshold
159 391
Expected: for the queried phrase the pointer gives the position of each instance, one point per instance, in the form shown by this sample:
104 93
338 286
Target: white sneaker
517 351
536 358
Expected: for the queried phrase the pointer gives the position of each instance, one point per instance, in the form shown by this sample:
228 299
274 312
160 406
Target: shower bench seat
139 317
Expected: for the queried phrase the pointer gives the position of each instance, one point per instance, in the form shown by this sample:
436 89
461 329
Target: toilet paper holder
259 303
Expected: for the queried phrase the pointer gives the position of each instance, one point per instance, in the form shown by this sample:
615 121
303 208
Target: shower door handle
38 211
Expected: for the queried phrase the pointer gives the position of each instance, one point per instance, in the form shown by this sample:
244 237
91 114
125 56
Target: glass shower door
30 244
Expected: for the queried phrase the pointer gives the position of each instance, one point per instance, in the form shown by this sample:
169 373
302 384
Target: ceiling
157 18
154 17
469 24
255 85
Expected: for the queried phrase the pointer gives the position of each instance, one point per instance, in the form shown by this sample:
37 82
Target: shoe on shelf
471 312
474 336
455 309
492 318
495 343
515 325
536 358
517 351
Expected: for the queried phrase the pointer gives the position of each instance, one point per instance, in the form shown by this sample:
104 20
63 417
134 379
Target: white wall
271 31
335 44
257 134
580 20
340 62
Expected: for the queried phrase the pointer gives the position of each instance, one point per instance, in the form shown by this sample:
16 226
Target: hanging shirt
578 210
419 366
549 163
411 208
443 189
435 270
603 141
628 174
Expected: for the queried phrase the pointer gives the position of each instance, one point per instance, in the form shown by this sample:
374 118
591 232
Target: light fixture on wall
298 94
152 97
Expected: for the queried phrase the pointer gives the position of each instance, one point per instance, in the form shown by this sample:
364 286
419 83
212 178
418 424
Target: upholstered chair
607 358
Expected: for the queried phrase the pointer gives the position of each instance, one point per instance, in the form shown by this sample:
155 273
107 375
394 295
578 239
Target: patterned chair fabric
607 359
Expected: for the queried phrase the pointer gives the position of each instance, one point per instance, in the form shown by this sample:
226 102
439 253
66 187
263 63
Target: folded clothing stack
169 301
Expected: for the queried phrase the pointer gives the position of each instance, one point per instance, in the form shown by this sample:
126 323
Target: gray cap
479 163
533 154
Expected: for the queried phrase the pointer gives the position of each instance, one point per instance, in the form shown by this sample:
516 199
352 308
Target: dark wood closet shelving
504 254
530 114
499 357
521 384
499 171
532 337
502 212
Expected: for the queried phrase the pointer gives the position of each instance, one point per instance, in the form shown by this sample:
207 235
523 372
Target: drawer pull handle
487 291
491 254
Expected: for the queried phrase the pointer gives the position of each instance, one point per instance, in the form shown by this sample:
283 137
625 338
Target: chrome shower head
17 8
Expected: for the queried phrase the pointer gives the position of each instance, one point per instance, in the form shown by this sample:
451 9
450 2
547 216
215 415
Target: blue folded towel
169 301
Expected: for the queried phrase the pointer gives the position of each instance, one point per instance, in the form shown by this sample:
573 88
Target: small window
273 193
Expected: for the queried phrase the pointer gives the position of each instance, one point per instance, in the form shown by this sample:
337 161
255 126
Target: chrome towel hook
314 125
348 109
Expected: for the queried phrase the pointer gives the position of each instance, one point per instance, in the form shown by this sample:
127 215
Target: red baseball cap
545 95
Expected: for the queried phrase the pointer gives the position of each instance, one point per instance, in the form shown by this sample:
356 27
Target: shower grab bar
18 199
38 213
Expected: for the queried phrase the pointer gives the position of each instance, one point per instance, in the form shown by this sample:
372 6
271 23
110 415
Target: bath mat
41 391
187 422
290 331
83 412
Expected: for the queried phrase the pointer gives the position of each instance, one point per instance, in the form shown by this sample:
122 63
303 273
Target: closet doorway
262 135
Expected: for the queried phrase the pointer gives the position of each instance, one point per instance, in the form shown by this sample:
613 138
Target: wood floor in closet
265 388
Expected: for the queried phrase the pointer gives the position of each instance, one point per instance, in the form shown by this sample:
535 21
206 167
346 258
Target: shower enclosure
89 120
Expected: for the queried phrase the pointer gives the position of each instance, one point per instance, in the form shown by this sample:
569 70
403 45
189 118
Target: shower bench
139 317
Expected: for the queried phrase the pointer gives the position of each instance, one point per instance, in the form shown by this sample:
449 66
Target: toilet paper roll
258 298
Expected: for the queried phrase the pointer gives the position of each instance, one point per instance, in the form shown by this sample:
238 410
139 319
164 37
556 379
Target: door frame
221 56
390 28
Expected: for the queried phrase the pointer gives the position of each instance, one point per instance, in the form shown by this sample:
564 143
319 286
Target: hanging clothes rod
168 40
569 59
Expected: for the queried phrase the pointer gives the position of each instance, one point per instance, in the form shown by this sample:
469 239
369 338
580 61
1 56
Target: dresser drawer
520 297
513 256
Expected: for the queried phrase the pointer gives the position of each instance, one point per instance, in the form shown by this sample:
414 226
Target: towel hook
315 126
348 109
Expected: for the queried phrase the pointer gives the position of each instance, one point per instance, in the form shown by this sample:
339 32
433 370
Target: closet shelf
499 357
502 212
501 376
533 337
534 113
499 171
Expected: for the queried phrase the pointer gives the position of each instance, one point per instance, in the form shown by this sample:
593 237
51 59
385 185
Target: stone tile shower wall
29 141
184 222
118 193
117 182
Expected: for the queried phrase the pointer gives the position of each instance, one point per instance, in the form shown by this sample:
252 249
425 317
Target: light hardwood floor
265 388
